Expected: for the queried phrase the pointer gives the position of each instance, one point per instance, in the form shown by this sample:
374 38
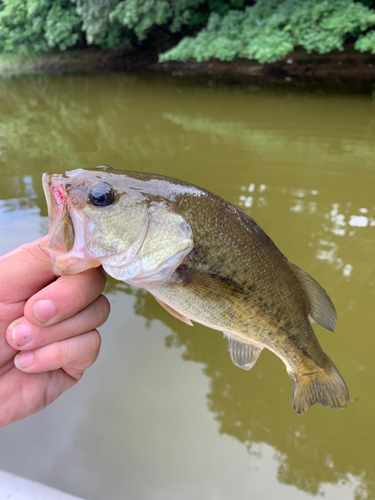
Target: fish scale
204 260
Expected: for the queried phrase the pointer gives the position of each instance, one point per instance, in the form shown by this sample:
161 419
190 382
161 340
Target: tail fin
326 387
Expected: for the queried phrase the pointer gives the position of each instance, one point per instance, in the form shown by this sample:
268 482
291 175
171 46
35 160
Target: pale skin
48 335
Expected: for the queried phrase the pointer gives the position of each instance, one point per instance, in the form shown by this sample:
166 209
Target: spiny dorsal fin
243 354
174 313
321 310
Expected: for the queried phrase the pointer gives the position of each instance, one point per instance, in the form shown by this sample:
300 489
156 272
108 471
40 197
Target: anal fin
174 313
243 354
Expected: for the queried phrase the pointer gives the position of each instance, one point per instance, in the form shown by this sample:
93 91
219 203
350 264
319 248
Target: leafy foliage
96 23
37 25
271 29
136 16
141 15
61 26
266 30
366 42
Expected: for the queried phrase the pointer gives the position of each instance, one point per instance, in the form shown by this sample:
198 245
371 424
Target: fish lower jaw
72 264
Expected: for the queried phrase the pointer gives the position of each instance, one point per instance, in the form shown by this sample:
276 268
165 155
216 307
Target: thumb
24 271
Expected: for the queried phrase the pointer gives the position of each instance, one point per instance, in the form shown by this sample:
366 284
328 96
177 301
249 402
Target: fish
204 260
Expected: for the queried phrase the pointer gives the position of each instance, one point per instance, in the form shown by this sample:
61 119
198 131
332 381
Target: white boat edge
19 488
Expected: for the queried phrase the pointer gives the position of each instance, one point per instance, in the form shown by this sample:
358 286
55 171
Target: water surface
163 413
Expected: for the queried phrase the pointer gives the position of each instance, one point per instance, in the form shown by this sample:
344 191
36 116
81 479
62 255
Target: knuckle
93 345
62 352
39 253
95 340
82 351
103 307
95 277
85 286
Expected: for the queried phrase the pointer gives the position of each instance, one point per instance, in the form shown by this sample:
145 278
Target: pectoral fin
321 310
174 313
243 354
210 286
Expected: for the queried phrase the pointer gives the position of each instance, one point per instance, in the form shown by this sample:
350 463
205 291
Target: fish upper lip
55 194
48 184
45 183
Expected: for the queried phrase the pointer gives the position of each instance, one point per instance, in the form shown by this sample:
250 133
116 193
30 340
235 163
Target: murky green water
163 413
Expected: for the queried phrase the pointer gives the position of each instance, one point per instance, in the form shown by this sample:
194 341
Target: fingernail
21 334
43 310
24 360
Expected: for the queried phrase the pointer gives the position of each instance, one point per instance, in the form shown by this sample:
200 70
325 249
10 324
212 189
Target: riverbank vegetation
323 39
265 30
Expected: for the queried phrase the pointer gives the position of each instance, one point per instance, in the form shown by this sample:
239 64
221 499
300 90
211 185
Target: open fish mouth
66 229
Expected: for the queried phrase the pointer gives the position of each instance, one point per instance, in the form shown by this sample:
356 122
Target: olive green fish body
204 260
230 245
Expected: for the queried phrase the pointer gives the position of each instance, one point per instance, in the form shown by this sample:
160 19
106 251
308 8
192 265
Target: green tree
266 30
271 29
138 16
37 25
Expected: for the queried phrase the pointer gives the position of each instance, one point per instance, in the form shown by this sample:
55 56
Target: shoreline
348 71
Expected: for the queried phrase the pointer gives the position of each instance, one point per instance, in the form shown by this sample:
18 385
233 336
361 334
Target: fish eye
101 195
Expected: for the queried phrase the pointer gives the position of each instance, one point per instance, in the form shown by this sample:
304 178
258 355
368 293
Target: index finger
65 297
25 246
24 271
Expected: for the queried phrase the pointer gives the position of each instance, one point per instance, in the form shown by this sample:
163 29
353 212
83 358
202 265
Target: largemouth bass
204 260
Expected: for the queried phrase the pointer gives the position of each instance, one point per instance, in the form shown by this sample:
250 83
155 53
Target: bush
366 43
271 29
37 25
266 31
61 26
132 16
96 23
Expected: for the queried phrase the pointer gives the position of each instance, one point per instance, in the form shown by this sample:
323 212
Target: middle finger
22 335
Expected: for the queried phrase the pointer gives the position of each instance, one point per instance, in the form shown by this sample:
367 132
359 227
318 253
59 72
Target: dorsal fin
243 354
322 311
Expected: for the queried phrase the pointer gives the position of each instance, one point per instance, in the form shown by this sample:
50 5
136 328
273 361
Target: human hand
52 322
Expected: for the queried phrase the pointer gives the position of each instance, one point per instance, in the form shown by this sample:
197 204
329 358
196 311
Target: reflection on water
305 452
270 143
336 219
302 166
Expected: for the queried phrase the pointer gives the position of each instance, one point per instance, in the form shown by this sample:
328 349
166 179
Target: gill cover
166 239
